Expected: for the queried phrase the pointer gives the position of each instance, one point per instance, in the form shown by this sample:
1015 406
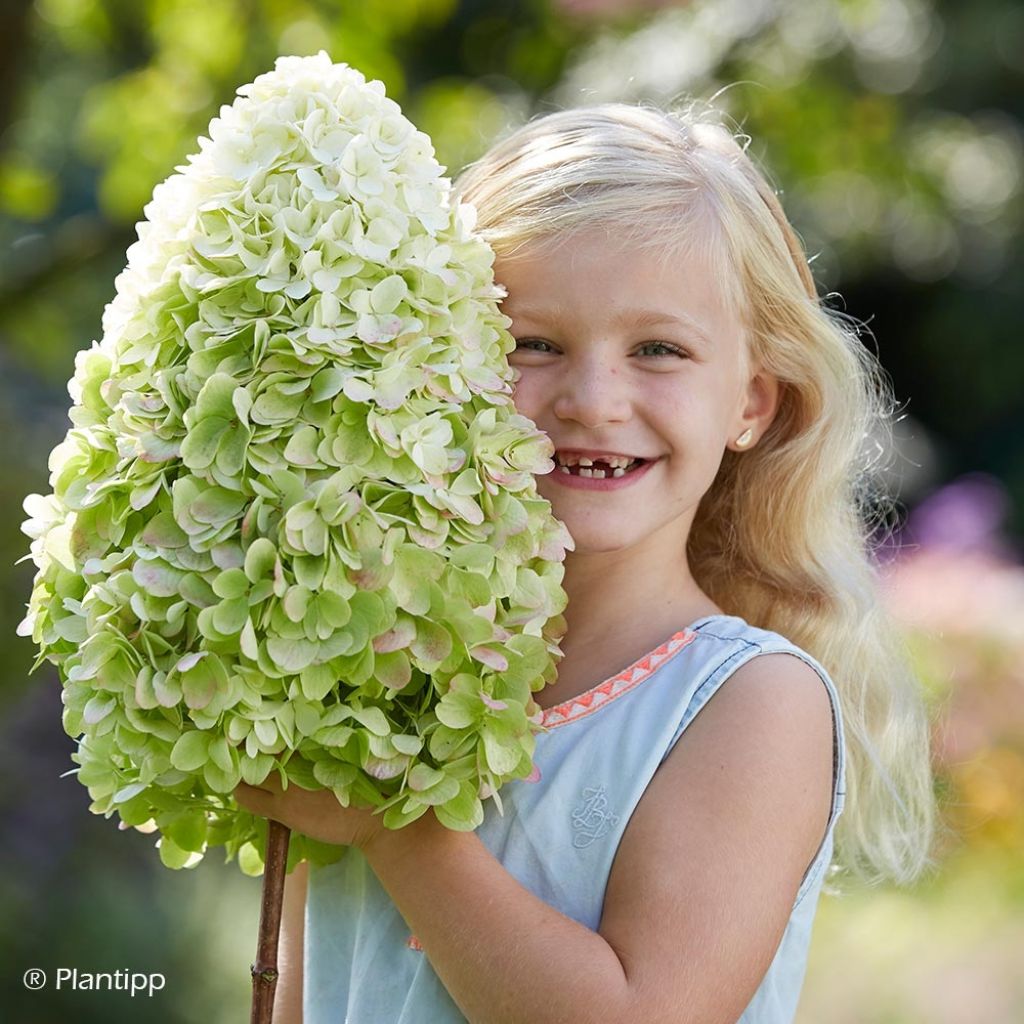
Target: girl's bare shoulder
708 869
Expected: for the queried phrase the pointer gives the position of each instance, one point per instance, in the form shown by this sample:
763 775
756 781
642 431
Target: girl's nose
593 393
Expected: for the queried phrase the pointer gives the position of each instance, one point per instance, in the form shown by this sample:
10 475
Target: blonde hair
782 537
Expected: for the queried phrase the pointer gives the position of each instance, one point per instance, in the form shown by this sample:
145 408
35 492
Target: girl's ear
762 402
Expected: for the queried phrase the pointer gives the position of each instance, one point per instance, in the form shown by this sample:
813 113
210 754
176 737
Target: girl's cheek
525 396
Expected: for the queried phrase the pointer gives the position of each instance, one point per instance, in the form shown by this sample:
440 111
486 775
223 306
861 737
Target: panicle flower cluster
294 526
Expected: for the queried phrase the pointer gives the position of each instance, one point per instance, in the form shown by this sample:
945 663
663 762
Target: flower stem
264 971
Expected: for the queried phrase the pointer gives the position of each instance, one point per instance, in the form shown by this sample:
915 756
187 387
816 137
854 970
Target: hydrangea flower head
294 527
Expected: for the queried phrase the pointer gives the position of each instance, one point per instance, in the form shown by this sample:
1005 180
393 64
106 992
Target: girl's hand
316 814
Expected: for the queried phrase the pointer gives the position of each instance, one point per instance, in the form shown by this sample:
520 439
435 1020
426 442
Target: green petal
502 754
463 812
172 855
221 781
301 449
217 505
332 773
215 398
230 616
317 681
291 655
374 720
231 584
259 559
386 296
231 453
199 448
162 531
191 751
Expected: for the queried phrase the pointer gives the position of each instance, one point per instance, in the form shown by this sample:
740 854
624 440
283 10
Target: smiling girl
734 715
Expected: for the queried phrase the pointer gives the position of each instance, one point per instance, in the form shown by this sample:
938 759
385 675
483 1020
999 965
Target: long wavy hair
783 538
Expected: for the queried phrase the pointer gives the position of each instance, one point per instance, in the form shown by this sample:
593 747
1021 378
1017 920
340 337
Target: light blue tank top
558 836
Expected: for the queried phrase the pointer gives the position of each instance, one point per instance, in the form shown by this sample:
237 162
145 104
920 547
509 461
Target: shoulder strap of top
740 642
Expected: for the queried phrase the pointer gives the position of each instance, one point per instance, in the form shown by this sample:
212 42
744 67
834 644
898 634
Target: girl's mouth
600 476
598 469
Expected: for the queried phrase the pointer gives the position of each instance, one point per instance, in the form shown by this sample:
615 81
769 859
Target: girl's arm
288 995
699 895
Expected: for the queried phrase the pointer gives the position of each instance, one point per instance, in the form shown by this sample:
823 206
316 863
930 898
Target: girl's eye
670 349
525 344
522 343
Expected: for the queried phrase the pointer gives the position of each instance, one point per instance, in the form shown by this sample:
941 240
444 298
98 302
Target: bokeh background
893 130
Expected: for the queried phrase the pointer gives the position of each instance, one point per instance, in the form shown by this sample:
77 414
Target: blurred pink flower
949 592
956 588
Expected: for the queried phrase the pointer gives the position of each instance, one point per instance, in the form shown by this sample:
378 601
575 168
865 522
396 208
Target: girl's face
625 352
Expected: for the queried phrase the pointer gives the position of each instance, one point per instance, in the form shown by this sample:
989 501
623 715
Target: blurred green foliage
893 129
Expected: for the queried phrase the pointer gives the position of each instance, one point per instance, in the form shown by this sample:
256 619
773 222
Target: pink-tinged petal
490 657
456 460
189 661
488 611
503 476
397 638
151 448
386 768
534 776
496 705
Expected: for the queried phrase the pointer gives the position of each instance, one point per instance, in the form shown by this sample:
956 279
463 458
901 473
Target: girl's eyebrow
624 317
653 317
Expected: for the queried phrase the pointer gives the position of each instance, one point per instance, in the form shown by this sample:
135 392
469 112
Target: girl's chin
590 539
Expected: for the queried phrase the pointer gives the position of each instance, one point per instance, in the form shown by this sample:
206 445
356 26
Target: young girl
730 681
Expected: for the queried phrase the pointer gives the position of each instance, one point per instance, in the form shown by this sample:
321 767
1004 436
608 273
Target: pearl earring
744 439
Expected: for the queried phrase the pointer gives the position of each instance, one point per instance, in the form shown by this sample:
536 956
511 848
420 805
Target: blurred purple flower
966 515
952 572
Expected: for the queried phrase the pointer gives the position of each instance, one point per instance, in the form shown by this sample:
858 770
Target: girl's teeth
590 472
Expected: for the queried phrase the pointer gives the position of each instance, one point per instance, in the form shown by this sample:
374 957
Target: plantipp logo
132 982
591 819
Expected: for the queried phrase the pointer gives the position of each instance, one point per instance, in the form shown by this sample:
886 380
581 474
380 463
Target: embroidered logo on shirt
591 819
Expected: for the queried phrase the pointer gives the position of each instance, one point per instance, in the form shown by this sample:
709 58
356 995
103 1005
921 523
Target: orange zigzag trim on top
604 693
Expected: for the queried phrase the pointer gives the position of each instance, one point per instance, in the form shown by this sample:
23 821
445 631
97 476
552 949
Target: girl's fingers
271 784
245 788
252 798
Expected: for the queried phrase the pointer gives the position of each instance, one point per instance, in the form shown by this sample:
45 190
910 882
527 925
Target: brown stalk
264 971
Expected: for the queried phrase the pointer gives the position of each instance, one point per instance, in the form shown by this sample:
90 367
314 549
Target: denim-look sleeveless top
558 836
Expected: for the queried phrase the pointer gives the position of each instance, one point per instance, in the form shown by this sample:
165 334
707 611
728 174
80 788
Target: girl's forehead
657 242
600 256
621 233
